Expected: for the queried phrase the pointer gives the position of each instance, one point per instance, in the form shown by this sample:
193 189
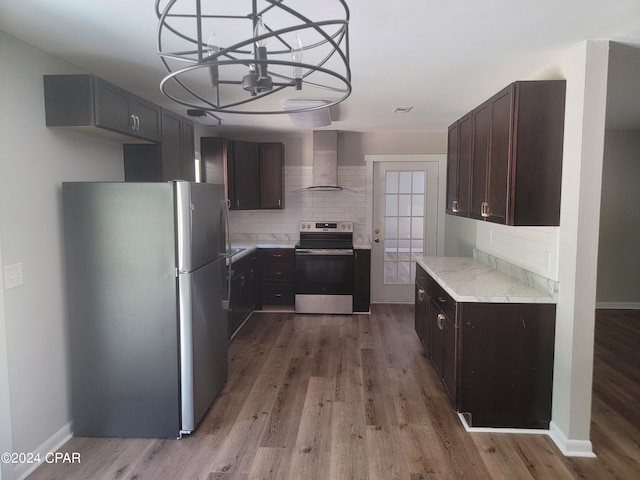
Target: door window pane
404 224
417 205
391 205
418 182
392 182
406 179
404 205
404 227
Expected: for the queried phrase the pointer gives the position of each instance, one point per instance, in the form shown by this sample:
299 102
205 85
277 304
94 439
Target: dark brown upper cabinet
459 166
515 151
251 172
271 175
172 159
244 177
88 101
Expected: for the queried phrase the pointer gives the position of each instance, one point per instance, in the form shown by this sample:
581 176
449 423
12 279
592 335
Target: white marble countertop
468 280
252 246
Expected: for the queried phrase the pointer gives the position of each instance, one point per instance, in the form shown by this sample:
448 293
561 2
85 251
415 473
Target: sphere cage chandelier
273 51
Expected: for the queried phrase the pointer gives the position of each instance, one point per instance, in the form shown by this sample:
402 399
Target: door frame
441 159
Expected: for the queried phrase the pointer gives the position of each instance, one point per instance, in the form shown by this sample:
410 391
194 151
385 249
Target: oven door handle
323 251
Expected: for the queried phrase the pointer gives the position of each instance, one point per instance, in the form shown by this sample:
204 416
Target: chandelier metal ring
271 71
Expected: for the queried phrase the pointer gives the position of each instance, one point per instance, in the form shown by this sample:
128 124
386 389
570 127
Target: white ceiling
443 57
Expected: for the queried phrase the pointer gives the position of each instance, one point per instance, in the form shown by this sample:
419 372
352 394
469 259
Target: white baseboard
533 431
58 439
568 447
618 305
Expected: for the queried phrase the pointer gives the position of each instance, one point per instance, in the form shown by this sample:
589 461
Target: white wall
34 161
619 246
585 69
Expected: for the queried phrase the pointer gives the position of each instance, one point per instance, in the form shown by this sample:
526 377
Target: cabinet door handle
421 294
277 295
484 211
133 122
440 319
454 206
442 300
137 122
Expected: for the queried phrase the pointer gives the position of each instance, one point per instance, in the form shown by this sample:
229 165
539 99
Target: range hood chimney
325 161
325 164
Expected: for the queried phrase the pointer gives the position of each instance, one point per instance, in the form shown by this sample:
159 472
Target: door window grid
404 225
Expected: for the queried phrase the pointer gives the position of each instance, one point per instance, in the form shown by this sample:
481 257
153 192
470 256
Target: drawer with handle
441 298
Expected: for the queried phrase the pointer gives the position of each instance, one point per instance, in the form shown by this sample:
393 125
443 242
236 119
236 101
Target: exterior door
405 224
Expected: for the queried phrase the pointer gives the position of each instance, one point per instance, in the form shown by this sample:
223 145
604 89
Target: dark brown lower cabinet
495 360
244 292
277 269
506 364
362 280
422 311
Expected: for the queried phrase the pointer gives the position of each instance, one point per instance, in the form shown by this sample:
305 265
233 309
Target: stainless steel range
324 268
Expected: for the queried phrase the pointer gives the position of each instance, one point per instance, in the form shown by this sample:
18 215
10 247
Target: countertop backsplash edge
534 280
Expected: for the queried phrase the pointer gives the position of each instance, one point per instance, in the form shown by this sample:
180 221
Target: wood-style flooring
353 397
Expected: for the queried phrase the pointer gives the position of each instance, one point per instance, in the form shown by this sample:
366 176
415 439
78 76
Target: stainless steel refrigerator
146 265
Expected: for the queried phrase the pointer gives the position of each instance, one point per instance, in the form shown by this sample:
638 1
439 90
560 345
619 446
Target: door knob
377 231
377 240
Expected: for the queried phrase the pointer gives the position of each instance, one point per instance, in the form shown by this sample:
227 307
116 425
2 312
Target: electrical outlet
13 276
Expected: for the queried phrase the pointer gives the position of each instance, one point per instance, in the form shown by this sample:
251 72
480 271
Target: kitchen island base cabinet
494 360
506 364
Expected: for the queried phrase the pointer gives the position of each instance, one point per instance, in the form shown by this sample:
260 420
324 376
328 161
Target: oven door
324 280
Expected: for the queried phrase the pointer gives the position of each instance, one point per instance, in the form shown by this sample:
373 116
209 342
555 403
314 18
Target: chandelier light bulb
297 53
260 52
213 47
258 30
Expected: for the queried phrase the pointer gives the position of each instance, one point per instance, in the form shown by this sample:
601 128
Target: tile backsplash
307 205
535 249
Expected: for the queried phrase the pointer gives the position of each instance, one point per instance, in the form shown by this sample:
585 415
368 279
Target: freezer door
203 341
200 224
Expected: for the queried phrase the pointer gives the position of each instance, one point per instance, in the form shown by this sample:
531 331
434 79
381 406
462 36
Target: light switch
13 276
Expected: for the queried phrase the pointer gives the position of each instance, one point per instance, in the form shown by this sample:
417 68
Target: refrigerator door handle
226 303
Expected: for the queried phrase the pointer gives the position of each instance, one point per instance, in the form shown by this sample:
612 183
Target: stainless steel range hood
325 163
